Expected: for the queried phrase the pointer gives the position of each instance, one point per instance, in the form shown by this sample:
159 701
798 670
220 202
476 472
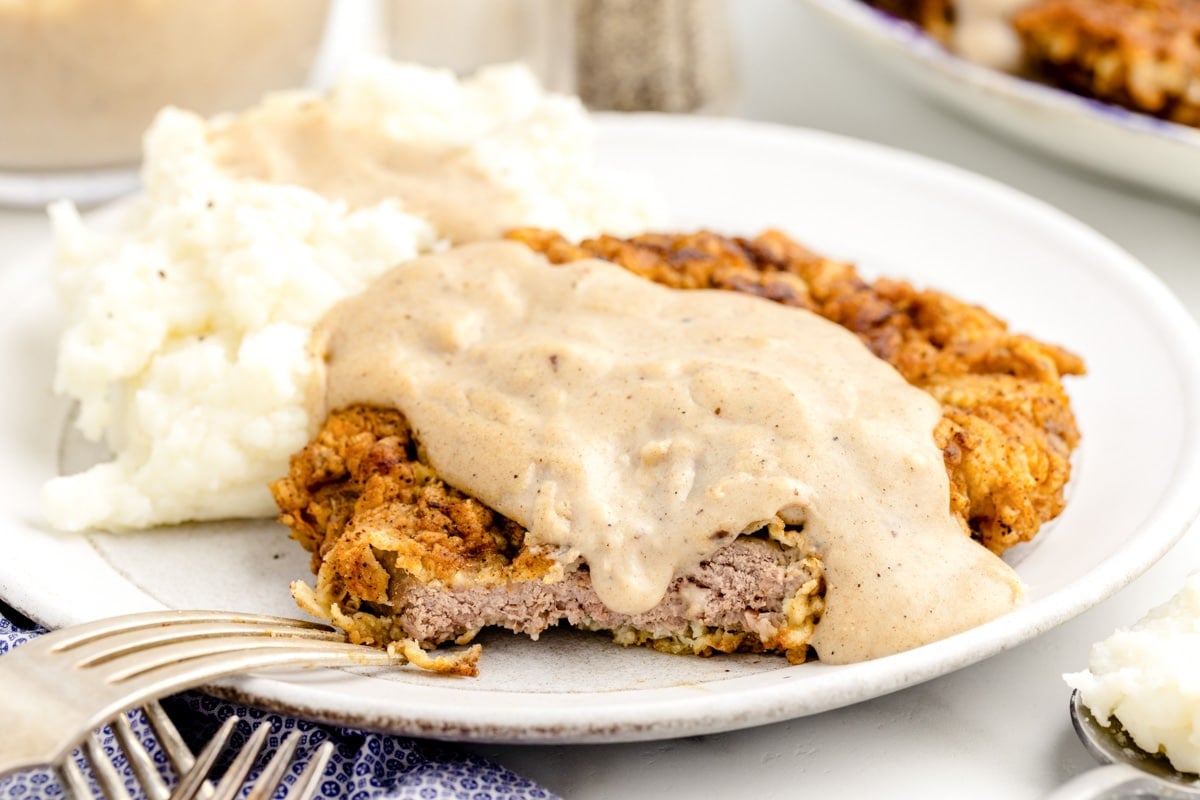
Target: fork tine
193 784
231 781
76 635
309 782
143 766
190 783
166 670
72 779
106 648
182 655
273 772
178 753
103 769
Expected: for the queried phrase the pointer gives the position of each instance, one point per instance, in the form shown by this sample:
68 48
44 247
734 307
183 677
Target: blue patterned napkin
364 765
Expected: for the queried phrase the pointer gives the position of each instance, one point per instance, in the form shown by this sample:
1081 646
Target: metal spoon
1129 771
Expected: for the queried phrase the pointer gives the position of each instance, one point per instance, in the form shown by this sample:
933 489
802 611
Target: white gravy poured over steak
643 427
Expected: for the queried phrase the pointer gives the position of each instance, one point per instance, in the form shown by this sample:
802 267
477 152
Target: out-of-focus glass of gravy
80 80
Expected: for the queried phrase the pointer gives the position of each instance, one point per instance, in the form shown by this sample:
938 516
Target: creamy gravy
364 166
641 427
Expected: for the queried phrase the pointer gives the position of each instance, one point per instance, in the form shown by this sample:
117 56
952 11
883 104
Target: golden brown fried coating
1142 54
1007 430
361 480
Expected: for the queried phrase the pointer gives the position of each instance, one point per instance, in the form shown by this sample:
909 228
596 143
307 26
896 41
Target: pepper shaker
618 55
654 55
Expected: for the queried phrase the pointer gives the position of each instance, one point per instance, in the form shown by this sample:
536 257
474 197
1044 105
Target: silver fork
192 770
60 686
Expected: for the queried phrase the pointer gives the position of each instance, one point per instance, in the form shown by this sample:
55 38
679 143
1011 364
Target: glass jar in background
80 80
617 55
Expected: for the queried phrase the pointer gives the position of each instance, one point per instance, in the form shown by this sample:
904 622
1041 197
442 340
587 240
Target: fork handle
43 722
32 731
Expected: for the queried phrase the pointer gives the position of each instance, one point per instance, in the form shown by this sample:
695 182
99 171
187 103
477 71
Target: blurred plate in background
1135 148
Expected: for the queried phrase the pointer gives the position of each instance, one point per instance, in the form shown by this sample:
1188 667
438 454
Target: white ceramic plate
1133 495
1135 148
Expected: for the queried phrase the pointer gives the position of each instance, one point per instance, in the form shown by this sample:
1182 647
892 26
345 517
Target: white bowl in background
1131 147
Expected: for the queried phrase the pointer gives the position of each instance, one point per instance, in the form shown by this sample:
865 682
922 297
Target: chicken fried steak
1140 54
403 558
1143 55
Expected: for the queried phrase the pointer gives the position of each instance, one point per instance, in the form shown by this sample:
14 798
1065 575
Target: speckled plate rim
745 152
1133 147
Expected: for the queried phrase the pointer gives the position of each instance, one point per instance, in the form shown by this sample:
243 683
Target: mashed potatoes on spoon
1145 677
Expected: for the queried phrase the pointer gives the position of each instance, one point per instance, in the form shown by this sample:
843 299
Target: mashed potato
188 326
1146 676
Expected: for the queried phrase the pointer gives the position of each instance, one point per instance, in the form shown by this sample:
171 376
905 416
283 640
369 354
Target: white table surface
998 729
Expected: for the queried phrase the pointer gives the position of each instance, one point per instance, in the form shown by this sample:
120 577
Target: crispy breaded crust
1007 430
364 468
1141 54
